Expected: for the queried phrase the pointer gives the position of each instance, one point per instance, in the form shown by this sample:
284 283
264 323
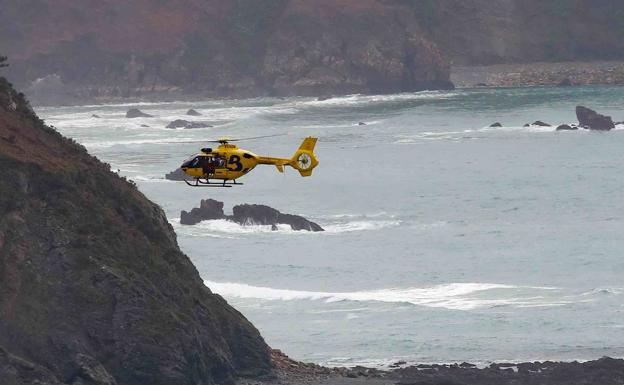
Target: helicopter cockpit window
191 162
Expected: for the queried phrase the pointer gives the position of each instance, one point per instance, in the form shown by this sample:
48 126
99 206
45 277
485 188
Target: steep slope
93 287
216 47
474 32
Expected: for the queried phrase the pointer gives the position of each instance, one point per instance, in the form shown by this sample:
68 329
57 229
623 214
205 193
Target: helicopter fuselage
229 163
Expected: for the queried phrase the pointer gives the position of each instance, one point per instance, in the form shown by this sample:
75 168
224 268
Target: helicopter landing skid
206 183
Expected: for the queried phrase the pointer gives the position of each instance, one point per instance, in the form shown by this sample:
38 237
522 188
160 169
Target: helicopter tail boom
303 161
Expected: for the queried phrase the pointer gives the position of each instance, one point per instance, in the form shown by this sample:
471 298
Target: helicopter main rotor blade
252 138
232 140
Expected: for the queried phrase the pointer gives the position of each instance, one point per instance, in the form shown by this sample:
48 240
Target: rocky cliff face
215 47
93 287
476 32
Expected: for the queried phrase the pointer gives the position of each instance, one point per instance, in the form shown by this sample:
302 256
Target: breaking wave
223 228
455 296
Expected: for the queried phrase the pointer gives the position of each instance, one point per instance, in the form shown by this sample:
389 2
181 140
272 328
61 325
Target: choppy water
447 241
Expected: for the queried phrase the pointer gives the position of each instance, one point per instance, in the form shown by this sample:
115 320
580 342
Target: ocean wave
365 99
222 226
604 291
454 296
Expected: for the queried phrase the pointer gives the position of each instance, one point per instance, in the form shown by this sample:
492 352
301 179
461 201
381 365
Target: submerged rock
192 112
592 120
136 113
565 127
180 123
247 215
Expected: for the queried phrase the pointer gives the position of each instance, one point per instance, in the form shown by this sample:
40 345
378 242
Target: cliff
93 286
483 32
62 49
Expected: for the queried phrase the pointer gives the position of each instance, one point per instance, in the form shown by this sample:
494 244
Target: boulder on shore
136 113
192 112
246 215
180 123
592 120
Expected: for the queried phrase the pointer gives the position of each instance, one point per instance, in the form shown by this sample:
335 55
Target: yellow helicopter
222 166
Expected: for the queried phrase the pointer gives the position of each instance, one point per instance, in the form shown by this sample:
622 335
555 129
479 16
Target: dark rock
209 209
265 215
177 175
361 124
192 112
323 98
540 124
592 120
136 113
94 289
527 125
95 116
565 83
180 123
247 215
495 125
565 127
144 125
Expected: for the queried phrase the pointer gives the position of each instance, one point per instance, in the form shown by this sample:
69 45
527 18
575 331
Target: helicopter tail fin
304 159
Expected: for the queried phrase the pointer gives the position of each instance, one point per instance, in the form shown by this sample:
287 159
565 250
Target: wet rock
496 125
136 113
265 215
527 125
247 215
361 124
565 127
565 83
539 123
180 123
209 209
592 120
95 116
177 175
192 112
323 98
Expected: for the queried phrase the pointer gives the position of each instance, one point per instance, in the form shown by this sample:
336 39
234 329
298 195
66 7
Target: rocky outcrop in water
592 120
94 289
177 175
246 215
180 123
192 112
136 113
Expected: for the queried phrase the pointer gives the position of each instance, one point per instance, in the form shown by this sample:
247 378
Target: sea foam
455 296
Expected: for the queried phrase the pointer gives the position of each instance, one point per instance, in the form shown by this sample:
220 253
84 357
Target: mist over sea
446 240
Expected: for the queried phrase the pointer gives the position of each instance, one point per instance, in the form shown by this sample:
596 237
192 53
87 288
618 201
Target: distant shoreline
603 371
539 74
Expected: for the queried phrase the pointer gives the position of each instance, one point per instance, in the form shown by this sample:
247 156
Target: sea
446 240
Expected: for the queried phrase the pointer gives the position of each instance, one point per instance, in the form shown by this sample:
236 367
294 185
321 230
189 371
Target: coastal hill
94 289
115 48
66 50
